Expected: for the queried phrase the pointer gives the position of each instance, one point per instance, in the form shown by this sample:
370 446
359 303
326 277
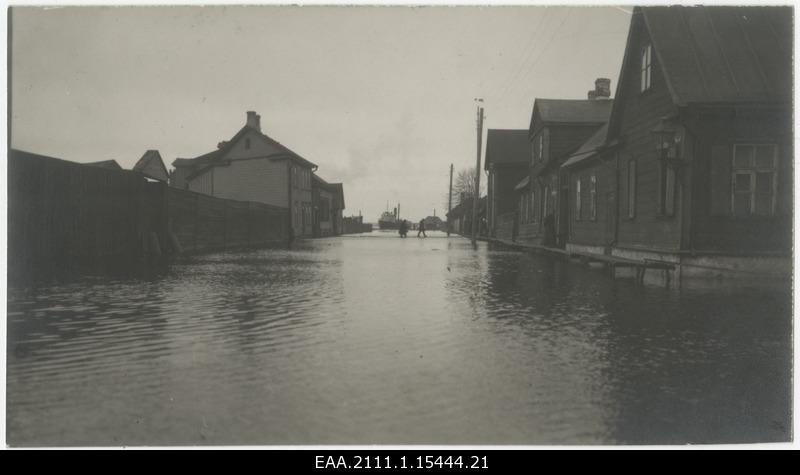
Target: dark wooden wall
714 227
588 231
65 217
641 113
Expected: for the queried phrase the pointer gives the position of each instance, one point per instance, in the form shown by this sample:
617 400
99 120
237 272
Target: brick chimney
254 120
602 89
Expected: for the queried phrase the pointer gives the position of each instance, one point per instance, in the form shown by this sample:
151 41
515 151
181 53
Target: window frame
753 171
646 68
593 197
578 199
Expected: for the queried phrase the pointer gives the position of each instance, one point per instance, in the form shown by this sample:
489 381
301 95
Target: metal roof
581 111
723 54
589 148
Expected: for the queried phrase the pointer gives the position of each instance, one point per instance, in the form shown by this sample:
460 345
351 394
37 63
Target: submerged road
375 339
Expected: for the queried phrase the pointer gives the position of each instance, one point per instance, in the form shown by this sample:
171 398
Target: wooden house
252 166
507 162
328 204
698 156
459 219
557 128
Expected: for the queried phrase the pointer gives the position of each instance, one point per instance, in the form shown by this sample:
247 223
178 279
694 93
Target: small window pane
765 156
764 182
743 157
741 204
742 182
763 204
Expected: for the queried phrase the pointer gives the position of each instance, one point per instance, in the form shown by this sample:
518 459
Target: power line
553 35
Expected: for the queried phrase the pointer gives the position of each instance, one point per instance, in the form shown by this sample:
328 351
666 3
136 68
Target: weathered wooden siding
203 183
204 223
65 217
715 230
177 177
641 113
260 180
565 139
587 231
506 178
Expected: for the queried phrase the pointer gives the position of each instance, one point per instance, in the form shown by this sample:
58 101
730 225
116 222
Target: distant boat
388 220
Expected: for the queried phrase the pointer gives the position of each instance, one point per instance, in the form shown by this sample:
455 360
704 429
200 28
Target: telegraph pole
477 175
449 200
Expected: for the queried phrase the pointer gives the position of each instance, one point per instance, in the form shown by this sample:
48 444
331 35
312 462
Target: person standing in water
421 228
403 228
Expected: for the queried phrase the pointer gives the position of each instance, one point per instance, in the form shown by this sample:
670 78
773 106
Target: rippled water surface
375 339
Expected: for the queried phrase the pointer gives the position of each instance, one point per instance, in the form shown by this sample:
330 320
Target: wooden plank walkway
612 262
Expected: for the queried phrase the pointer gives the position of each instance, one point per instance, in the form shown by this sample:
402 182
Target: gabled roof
203 162
722 54
507 147
570 111
152 166
107 164
214 158
589 148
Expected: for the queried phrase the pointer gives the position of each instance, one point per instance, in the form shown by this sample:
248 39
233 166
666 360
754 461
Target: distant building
459 219
557 128
434 223
328 204
252 166
152 166
696 165
507 162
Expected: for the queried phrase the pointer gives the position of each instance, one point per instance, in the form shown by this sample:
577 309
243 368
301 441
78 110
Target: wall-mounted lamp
668 142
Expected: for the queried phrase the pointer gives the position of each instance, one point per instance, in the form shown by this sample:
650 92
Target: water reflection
382 340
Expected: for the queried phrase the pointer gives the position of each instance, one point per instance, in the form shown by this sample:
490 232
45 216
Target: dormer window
647 66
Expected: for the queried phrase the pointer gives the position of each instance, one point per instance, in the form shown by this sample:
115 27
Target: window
667 184
593 198
533 206
647 67
754 179
578 199
545 200
632 189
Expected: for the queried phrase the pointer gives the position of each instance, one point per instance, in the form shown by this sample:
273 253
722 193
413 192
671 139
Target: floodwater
381 340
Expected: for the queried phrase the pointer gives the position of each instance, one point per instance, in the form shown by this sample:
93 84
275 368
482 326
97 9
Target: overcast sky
381 98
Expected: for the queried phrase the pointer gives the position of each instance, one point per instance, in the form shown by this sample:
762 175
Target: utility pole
449 200
477 175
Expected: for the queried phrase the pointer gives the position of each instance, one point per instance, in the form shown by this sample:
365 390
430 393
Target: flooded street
375 339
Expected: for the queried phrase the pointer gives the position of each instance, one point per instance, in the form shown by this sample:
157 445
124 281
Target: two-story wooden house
557 128
252 166
507 162
698 156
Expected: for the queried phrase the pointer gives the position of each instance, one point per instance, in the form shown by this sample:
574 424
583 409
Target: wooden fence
65 217
202 223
